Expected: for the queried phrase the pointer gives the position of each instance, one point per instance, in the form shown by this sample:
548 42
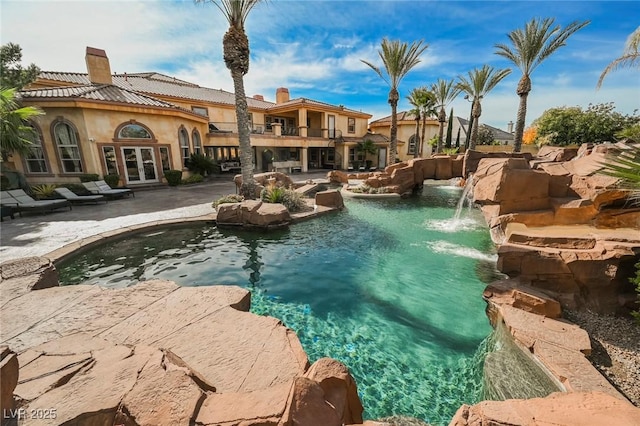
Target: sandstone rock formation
529 205
8 380
568 409
253 213
329 198
264 179
157 353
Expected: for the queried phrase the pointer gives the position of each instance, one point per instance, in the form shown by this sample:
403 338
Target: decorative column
304 158
277 129
302 122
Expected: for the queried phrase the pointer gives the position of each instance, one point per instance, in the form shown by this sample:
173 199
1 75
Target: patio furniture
21 202
74 198
101 187
6 210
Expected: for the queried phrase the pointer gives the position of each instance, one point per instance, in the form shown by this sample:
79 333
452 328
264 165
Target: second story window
200 111
351 125
68 149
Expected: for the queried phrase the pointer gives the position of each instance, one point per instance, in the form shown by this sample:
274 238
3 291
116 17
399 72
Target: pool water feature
387 287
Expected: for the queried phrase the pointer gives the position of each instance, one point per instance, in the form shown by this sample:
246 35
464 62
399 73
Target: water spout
467 195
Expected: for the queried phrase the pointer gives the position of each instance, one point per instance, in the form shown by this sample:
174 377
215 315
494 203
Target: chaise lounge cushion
73 198
25 203
100 187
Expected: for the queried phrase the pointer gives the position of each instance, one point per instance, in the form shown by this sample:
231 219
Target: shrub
293 201
75 187
636 280
201 164
89 177
112 180
4 183
173 177
196 178
272 194
44 191
228 199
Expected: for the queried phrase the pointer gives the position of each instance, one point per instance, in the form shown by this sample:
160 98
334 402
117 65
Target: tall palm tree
445 92
630 57
15 132
398 59
531 45
423 102
480 82
236 57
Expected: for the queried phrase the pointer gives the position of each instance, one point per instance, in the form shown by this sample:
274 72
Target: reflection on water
397 301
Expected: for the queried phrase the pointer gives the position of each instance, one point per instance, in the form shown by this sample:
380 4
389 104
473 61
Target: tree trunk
524 87
416 148
477 111
424 127
248 188
236 57
442 117
467 140
394 97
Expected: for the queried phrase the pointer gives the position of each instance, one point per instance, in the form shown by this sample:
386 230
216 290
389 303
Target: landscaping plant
112 180
44 191
173 177
228 199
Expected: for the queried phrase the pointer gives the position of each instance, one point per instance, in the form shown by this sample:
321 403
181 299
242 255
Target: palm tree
423 102
15 132
480 82
398 59
236 57
445 92
366 147
630 57
530 47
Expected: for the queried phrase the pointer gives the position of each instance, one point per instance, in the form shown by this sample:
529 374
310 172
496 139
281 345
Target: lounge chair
22 202
74 198
101 187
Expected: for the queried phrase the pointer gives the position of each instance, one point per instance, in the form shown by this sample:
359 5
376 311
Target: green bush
228 199
89 177
44 191
173 177
196 178
291 199
75 187
272 194
112 180
4 183
201 164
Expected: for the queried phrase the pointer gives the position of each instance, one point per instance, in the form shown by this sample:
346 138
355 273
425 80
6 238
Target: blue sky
314 47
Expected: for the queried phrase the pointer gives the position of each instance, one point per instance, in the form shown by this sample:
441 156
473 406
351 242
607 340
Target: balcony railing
230 127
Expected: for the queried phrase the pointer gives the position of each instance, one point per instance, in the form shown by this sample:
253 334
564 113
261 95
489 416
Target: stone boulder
253 213
510 184
529 299
9 367
337 176
330 198
339 389
444 168
568 409
403 178
472 159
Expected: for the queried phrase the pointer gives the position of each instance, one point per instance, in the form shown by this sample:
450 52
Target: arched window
66 139
411 147
183 137
134 131
197 144
35 160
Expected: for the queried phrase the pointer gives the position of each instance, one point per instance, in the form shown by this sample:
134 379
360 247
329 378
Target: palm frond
625 166
629 59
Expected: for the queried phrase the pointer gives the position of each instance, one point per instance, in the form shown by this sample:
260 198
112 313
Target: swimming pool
390 288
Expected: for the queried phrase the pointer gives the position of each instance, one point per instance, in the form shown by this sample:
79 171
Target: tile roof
307 101
159 84
497 133
401 116
99 92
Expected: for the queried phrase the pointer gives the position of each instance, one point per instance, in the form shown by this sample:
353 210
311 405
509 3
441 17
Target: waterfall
467 195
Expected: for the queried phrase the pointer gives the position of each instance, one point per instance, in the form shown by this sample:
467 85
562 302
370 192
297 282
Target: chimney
282 95
98 66
258 97
510 127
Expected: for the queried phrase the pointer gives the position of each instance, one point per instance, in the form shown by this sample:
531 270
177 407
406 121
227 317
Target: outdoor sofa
21 202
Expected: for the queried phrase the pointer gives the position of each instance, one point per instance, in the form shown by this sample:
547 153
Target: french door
139 165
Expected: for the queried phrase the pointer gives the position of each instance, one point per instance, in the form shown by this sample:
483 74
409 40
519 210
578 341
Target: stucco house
140 125
406 135
407 129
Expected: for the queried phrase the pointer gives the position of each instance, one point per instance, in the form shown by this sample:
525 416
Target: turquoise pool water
390 288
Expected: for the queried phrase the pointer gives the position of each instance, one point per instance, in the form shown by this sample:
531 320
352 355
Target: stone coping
86 243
